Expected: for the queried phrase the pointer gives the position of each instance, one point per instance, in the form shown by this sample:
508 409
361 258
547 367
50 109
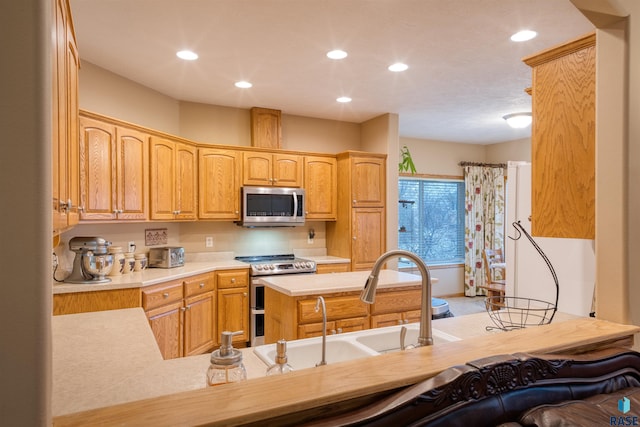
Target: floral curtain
484 216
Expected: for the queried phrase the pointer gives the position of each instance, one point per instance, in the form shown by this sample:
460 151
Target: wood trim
561 50
430 176
82 302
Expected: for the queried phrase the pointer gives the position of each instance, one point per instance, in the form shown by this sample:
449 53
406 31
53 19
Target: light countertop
308 284
109 357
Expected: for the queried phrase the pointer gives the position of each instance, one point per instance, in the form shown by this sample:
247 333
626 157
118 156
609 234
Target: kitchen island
136 387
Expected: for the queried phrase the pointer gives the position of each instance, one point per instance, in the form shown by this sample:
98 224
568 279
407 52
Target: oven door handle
257 311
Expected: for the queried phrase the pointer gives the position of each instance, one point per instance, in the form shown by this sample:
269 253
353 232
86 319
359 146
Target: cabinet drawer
332 268
198 284
337 308
390 302
315 330
161 294
232 278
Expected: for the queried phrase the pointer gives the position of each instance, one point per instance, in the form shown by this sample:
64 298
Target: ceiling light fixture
398 66
523 36
337 54
243 84
518 120
187 55
344 99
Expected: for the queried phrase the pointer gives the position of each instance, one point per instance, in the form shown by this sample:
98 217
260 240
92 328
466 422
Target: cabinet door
73 133
162 171
233 312
563 141
133 171
321 188
315 330
199 324
166 324
287 170
352 325
98 170
368 188
256 169
368 240
186 182
219 184
388 319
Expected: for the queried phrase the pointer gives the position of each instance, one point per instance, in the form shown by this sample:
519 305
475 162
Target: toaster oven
166 257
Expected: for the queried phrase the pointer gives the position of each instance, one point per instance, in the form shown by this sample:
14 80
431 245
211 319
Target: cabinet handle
355 201
339 330
201 285
80 208
406 321
233 280
165 295
354 237
244 294
399 321
333 332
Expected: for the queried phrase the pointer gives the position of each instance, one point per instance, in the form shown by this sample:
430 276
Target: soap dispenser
281 366
226 362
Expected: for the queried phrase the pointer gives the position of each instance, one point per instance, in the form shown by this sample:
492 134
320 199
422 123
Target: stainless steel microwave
272 207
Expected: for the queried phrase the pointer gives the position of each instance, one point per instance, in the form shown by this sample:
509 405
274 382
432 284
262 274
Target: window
431 219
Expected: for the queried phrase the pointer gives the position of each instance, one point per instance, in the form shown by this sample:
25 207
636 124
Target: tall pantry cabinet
359 233
65 64
563 140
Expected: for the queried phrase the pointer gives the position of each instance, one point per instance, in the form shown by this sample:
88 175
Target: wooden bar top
263 398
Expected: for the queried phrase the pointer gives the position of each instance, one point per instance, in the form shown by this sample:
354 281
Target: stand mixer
92 262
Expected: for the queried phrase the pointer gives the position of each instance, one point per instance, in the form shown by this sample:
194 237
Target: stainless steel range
269 265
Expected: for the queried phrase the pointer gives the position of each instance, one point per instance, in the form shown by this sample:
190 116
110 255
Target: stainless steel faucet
368 294
320 302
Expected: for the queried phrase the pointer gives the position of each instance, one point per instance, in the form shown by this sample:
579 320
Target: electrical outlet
132 246
208 242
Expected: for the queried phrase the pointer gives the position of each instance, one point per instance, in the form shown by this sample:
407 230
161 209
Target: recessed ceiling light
343 99
398 66
243 84
187 55
337 54
523 36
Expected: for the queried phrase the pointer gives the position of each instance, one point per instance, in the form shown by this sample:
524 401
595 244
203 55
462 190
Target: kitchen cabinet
359 233
396 308
269 169
233 303
333 268
114 172
174 180
563 140
83 302
266 127
219 183
181 314
293 318
65 65
321 187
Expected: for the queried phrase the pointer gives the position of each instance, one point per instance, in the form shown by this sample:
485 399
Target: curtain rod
488 165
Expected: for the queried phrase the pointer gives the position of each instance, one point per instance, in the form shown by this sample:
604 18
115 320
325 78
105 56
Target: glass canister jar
118 260
226 363
140 262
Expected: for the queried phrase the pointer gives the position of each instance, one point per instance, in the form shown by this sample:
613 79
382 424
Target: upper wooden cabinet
320 185
368 181
174 180
65 64
266 128
114 171
563 140
267 169
219 183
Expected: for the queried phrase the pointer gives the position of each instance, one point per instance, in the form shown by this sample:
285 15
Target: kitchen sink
385 340
306 353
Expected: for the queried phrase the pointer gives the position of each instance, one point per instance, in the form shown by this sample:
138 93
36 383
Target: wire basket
509 313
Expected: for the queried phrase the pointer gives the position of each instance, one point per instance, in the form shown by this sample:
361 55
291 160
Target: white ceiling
464 73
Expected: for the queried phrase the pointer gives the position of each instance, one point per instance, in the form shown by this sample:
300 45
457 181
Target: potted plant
406 162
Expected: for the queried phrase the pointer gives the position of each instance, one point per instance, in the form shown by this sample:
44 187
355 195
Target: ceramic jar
118 260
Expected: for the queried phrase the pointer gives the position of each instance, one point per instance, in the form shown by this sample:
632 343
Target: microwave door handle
295 205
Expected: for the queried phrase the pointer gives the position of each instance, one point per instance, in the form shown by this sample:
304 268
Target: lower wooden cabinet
182 315
333 268
83 302
233 303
